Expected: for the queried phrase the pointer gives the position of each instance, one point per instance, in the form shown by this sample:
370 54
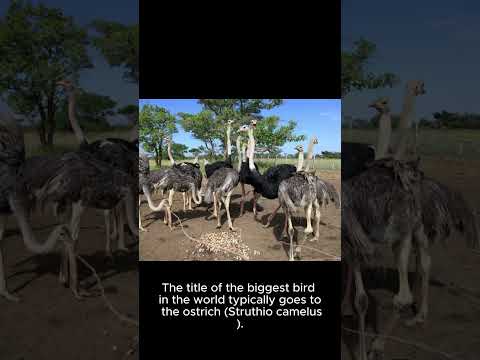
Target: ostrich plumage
147 181
219 189
13 199
299 192
326 193
211 168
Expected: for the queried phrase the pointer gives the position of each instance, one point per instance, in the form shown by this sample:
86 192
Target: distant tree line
440 120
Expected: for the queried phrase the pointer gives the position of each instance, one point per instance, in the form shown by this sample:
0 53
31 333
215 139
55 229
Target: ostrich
120 154
243 168
219 188
266 185
146 185
298 192
13 200
187 168
211 168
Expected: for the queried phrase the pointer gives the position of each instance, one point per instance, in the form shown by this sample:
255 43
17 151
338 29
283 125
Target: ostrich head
229 122
243 128
381 105
314 140
416 87
299 148
253 123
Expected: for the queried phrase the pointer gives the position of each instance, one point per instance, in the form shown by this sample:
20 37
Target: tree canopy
155 125
355 75
119 44
39 46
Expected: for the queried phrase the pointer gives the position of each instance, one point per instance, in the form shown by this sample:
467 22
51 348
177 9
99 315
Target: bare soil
159 243
48 322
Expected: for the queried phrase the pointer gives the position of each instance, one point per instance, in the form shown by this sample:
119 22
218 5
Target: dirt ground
453 322
159 243
49 322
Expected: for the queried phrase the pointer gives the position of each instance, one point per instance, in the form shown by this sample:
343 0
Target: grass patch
65 141
455 143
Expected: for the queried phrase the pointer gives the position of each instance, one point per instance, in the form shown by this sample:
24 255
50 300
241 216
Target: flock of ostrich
98 175
297 189
387 200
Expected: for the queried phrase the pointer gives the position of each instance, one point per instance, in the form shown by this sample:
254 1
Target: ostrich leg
317 222
115 225
77 211
256 196
140 215
120 210
227 208
271 216
402 252
424 262
3 284
184 202
218 203
361 306
291 232
242 202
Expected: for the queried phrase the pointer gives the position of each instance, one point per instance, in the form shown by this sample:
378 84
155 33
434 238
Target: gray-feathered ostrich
265 185
14 200
211 168
187 168
118 153
299 193
146 186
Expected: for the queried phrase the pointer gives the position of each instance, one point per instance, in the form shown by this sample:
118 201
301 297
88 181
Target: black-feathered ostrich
266 185
227 163
118 153
14 200
146 187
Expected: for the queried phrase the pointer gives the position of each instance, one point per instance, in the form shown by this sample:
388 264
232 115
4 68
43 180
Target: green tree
205 127
119 44
92 111
155 125
355 75
178 151
39 46
209 125
270 136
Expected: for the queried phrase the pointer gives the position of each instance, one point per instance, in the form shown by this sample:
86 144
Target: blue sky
313 117
102 79
434 41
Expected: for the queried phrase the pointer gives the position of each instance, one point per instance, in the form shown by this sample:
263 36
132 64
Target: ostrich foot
401 301
234 229
218 226
143 229
8 296
266 225
418 319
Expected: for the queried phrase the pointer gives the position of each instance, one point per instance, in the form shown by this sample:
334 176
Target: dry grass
66 141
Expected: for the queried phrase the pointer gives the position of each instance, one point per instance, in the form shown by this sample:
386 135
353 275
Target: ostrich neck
169 151
384 134
151 205
300 161
405 125
77 130
251 149
239 152
309 155
196 160
196 195
27 233
229 145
